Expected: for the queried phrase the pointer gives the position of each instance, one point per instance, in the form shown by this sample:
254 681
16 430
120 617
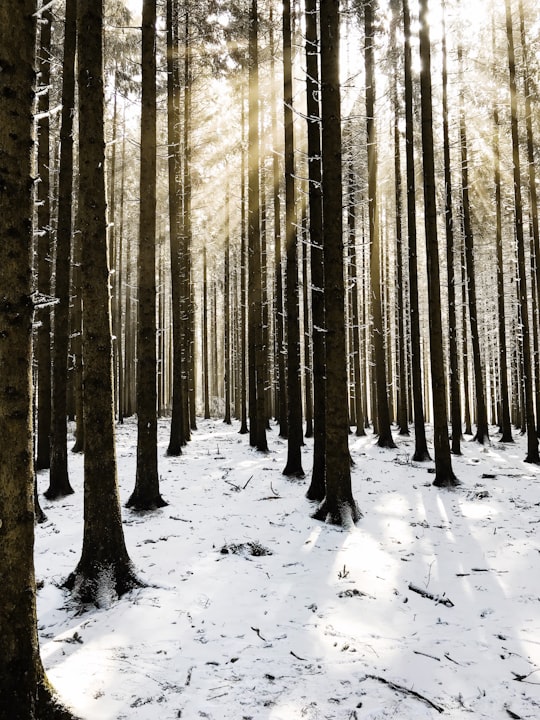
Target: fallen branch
433 657
406 691
439 599
256 630
523 678
297 656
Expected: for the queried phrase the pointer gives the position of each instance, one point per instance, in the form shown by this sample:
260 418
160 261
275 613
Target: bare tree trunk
444 475
339 505
146 494
532 440
59 484
455 403
293 466
420 444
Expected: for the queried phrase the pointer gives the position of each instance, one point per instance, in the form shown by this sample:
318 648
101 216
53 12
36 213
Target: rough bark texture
455 390
59 484
146 494
293 466
257 412
316 490
338 505
379 331
44 247
176 438
420 443
532 440
24 691
444 475
104 571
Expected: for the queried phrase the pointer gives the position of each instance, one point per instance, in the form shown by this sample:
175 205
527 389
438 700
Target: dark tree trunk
44 246
444 475
420 444
59 484
104 569
338 505
227 316
402 411
482 430
532 440
383 414
455 390
293 466
257 400
25 693
146 494
176 438
244 370
316 489
281 385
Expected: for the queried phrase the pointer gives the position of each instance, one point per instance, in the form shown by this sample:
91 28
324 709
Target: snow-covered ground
325 625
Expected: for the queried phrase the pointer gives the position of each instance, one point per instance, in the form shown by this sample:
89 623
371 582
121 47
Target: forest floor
429 607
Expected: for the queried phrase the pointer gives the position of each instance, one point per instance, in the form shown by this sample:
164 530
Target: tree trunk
338 505
532 440
104 570
257 400
420 444
146 494
25 693
176 438
383 415
444 475
316 490
44 245
455 402
482 431
59 484
293 466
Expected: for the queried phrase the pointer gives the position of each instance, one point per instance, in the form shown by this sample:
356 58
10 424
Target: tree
257 411
532 440
338 505
316 490
177 434
104 570
293 466
383 414
482 432
25 693
444 475
455 404
59 484
420 443
146 494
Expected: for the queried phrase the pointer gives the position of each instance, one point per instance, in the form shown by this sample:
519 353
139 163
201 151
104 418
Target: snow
321 626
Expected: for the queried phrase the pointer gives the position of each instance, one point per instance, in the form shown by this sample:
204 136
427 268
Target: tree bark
59 485
338 505
444 475
104 570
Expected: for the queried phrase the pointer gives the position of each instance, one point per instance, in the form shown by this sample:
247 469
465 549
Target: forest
307 229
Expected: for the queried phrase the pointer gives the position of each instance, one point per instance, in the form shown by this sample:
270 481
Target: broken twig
407 691
439 599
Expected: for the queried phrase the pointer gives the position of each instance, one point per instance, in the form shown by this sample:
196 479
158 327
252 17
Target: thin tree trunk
146 494
383 414
444 475
44 245
293 465
482 431
316 490
532 440
420 444
455 403
176 438
59 484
